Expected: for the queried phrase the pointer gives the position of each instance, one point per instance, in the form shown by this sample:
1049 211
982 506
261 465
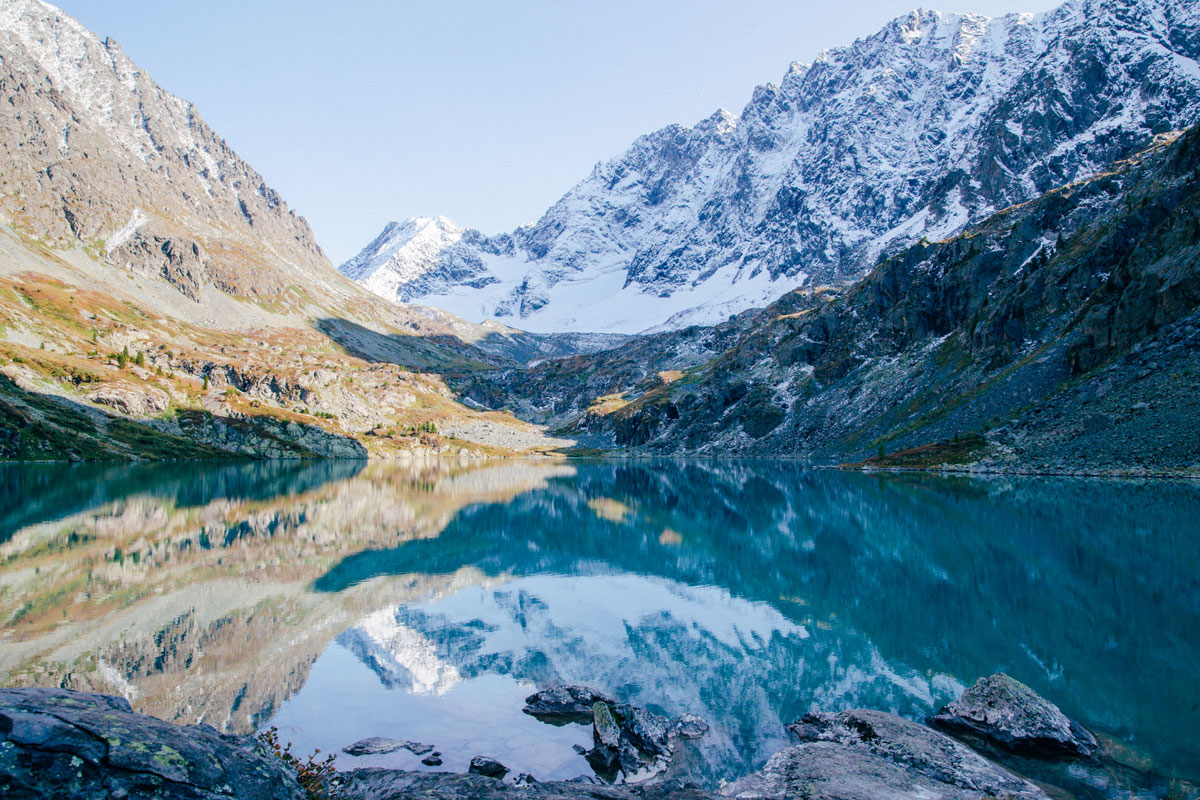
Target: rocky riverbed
61 743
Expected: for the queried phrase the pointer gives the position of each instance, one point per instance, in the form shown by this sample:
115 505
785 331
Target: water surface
339 600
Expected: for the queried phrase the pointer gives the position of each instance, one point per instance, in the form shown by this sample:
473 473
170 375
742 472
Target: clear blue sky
487 112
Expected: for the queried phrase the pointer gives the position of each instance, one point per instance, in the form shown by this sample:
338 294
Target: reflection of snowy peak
634 637
400 656
932 123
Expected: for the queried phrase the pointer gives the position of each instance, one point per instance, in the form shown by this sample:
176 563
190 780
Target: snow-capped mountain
931 124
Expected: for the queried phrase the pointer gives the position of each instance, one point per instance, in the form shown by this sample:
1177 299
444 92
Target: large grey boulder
59 743
872 755
1002 711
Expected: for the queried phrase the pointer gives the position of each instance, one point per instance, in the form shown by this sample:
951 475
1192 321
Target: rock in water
627 738
487 767
566 703
60 743
1003 711
872 755
689 726
646 730
431 761
377 745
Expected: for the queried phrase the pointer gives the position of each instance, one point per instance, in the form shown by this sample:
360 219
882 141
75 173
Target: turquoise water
339 600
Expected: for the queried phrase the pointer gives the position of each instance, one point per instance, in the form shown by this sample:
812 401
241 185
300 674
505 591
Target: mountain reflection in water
341 600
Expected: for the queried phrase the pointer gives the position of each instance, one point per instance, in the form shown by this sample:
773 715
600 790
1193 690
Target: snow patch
120 237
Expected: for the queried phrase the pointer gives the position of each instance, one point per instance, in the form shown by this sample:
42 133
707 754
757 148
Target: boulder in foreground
59 743
1005 712
872 755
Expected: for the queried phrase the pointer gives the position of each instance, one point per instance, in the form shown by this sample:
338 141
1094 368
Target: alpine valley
960 242
843 449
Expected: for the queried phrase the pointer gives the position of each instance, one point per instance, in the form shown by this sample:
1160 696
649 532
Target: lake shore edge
59 742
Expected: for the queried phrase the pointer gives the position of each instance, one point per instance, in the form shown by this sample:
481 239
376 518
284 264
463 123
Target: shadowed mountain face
424 602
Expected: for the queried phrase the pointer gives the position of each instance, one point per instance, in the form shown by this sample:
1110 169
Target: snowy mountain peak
930 124
405 244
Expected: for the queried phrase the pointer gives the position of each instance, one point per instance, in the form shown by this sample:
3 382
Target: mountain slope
929 125
1059 334
158 299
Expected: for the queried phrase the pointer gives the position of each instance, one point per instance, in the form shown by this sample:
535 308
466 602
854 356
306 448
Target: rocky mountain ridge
915 132
1056 335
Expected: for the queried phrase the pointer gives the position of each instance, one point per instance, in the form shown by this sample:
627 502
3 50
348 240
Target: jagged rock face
929 125
94 152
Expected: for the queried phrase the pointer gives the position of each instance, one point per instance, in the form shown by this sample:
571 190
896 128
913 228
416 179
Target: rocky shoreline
61 743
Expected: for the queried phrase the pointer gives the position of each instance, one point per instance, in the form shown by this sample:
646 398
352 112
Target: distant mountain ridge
915 132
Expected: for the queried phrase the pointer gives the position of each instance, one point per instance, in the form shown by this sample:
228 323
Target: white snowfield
917 131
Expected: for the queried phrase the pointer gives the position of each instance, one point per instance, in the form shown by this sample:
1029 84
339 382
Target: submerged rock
61 743
487 767
872 755
377 745
1002 711
566 703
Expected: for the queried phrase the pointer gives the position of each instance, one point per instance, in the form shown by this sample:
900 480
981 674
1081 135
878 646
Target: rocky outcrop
567 703
1002 711
58 743
872 755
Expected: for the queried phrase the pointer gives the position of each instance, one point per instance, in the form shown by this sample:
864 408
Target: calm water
339 600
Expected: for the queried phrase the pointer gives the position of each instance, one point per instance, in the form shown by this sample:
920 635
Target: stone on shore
872 755
565 703
61 743
1002 711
